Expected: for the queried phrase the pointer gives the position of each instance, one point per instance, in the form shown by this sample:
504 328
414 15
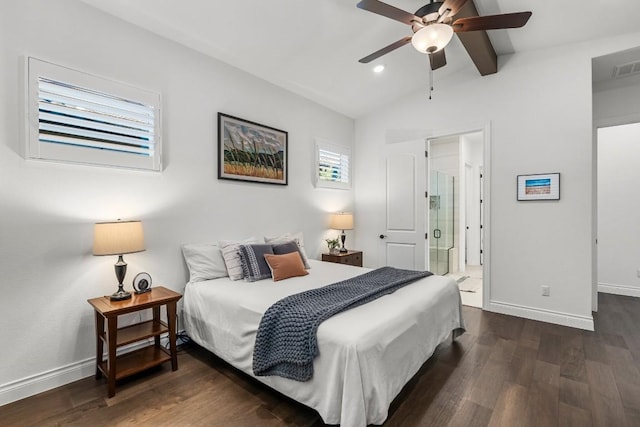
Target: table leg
156 319
112 337
171 320
99 343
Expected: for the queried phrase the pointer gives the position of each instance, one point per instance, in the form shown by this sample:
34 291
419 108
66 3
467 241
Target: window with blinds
78 118
332 165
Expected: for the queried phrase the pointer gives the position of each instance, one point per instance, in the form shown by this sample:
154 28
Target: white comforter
367 354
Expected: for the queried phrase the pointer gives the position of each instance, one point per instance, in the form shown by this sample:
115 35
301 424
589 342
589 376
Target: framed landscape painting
249 151
544 186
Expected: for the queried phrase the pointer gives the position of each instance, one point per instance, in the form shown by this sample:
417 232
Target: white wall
539 109
618 204
617 105
47 210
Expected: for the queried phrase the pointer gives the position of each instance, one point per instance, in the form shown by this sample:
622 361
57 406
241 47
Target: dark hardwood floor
505 371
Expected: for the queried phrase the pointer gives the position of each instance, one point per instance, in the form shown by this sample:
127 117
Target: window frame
34 149
342 150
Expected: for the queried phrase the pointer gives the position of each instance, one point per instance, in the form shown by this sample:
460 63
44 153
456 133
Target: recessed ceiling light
378 68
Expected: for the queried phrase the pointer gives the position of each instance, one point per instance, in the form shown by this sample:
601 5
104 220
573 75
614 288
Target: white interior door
403 240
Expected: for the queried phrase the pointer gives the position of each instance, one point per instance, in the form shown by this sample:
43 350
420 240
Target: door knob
382 236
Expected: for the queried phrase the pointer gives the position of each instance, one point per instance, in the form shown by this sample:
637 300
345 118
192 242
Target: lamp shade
432 38
342 221
118 238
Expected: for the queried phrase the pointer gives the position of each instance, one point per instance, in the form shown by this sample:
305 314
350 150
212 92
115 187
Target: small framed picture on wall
542 186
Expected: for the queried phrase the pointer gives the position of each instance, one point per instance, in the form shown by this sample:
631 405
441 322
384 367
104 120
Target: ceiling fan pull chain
430 80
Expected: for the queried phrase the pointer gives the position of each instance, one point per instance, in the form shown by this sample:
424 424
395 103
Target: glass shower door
440 222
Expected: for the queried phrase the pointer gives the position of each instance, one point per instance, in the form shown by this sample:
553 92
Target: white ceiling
312 47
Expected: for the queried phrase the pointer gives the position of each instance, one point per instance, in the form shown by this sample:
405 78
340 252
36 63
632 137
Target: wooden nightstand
115 368
349 258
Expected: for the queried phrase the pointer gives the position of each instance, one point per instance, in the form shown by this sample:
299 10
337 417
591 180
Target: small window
79 118
333 165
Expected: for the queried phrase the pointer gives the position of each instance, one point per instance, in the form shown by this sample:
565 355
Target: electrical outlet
638 272
546 291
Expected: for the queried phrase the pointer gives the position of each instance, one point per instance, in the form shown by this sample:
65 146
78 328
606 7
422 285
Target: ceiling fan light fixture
378 68
432 38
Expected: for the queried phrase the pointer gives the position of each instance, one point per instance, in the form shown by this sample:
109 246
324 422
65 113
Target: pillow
231 256
204 261
288 237
254 266
286 248
286 266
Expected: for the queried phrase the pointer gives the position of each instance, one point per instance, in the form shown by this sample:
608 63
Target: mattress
366 354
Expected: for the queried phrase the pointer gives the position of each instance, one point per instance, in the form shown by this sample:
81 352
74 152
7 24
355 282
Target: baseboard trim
38 383
44 381
609 288
558 318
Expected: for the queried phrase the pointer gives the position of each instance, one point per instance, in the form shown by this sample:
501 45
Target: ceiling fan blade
385 50
452 5
437 59
491 22
389 11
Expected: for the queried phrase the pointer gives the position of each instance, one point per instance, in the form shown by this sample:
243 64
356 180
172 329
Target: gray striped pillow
254 266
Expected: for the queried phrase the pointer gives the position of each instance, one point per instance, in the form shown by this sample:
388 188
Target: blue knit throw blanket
286 342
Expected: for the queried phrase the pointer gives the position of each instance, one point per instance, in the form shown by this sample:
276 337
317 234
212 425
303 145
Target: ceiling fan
433 26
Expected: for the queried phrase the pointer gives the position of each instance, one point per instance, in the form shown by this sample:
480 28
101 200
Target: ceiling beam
477 43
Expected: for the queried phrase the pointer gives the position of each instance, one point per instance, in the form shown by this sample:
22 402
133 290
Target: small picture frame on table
541 186
142 283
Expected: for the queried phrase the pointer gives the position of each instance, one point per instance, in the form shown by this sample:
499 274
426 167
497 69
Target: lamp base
120 295
343 237
121 271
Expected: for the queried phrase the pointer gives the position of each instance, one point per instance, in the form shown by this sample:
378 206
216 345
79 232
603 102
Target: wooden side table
115 368
349 258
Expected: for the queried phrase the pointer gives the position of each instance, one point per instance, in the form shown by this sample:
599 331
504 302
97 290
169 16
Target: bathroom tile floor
470 284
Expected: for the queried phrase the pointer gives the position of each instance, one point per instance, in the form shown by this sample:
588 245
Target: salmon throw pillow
285 266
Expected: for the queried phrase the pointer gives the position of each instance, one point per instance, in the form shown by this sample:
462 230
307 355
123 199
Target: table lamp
118 238
342 221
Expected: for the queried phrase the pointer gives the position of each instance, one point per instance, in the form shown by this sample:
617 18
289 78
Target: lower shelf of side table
140 331
137 361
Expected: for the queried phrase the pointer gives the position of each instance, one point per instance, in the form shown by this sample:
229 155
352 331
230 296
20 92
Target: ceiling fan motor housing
429 12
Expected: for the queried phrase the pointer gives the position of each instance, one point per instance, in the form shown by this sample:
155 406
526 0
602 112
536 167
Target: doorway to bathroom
455 212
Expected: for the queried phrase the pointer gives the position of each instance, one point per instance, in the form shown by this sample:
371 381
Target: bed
367 354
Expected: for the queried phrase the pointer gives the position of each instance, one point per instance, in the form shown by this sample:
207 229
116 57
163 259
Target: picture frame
142 283
249 151
541 186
